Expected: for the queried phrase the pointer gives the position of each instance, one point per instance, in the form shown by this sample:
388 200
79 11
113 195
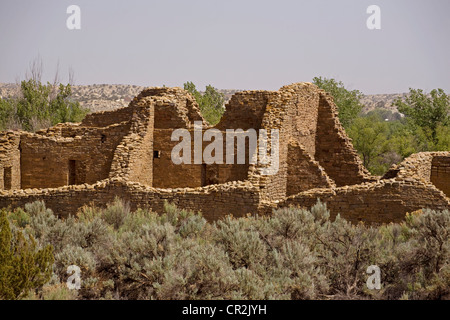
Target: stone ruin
127 153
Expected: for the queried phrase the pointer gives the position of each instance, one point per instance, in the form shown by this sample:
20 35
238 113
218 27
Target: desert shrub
425 263
133 222
192 226
186 222
254 287
131 254
22 265
19 217
41 219
293 254
345 252
58 291
73 255
294 269
88 213
115 212
197 272
241 241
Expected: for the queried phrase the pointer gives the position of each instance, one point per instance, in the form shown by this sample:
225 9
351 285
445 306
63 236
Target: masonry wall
301 102
304 172
245 110
334 150
127 153
107 118
376 202
214 202
174 109
9 160
46 161
293 112
172 105
440 173
425 166
417 166
166 174
133 157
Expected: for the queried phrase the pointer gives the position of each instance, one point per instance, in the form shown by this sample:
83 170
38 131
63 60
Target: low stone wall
237 198
425 166
374 203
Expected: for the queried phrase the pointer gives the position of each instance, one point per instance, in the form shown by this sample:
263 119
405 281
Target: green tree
40 105
347 101
22 267
369 137
443 138
211 102
426 111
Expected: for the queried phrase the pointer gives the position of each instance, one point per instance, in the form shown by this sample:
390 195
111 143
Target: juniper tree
23 267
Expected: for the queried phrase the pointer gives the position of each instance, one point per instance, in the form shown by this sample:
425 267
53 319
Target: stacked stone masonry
126 153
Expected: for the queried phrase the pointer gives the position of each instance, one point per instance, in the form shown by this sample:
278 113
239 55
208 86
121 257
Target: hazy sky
234 44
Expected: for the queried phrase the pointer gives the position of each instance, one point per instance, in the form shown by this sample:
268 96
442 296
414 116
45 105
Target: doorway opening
7 179
72 176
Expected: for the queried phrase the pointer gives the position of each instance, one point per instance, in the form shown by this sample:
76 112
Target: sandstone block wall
376 202
215 202
127 153
133 157
9 160
245 110
334 150
45 160
166 174
107 118
440 173
304 173
426 166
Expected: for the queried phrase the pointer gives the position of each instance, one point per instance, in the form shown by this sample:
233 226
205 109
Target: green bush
23 266
292 254
39 106
211 102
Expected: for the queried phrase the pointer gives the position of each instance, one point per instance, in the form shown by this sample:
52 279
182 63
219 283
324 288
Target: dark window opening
156 154
103 138
7 179
204 175
72 177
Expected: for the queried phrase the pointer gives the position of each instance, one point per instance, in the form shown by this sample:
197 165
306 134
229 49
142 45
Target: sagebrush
293 254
